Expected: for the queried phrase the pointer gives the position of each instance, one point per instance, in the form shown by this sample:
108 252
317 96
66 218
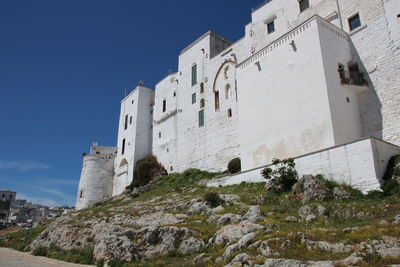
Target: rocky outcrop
308 189
233 232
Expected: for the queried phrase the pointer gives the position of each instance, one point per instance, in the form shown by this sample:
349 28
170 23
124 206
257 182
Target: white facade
275 93
96 183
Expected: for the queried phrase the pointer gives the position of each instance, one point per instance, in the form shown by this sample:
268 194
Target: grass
82 256
19 239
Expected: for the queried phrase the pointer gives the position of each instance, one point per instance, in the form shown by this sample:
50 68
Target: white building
308 76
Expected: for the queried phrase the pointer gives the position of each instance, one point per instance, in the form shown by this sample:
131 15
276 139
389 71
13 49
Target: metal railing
352 78
260 5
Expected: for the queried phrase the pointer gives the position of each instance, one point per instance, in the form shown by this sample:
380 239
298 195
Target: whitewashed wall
138 135
360 164
96 182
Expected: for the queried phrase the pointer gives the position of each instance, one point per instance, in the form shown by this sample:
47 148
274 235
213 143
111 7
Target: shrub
40 251
116 263
213 199
283 175
391 186
145 170
100 263
375 195
234 165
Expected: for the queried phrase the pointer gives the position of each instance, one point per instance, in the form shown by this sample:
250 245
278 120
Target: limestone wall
96 182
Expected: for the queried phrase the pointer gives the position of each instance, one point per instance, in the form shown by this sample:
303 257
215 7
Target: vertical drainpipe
339 14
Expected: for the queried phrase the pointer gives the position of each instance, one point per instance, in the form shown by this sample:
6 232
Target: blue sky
64 67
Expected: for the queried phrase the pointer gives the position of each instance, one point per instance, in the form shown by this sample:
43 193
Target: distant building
317 80
7 198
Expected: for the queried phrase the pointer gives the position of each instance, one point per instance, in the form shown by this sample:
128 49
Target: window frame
349 20
194 74
201 117
193 98
302 8
269 31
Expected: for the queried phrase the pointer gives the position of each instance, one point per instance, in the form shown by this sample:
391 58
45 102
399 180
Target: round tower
96 182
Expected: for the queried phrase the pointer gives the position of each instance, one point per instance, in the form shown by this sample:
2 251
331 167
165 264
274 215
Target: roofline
201 38
134 90
170 74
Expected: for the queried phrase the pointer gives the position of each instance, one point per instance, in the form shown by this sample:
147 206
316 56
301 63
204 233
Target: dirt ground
13 258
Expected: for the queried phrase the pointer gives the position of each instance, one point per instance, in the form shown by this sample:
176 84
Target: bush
234 165
283 176
40 251
116 263
391 186
213 199
145 170
100 263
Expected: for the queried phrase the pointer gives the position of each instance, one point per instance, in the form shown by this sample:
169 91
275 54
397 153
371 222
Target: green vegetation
213 199
283 174
146 170
19 239
234 165
82 256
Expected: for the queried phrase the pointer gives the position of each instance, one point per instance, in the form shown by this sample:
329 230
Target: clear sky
64 67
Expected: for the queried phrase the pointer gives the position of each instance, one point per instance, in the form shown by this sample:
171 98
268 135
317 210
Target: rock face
233 232
254 214
191 245
308 189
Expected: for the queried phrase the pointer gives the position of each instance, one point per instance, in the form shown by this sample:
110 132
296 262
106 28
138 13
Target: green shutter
193 98
201 118
194 74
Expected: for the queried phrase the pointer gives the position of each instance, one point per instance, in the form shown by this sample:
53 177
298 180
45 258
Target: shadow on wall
369 104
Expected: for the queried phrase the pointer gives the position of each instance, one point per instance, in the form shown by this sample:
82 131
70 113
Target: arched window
202 103
227 91
216 98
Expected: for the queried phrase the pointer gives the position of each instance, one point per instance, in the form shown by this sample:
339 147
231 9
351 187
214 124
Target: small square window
354 22
193 98
271 27
304 4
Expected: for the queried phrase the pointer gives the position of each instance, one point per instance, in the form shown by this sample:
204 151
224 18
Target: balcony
353 80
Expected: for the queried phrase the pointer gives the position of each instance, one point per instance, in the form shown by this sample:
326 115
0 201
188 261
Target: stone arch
123 163
222 69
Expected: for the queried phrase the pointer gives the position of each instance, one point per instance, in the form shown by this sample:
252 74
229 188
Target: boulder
191 245
234 232
254 214
113 247
199 208
241 259
340 193
308 189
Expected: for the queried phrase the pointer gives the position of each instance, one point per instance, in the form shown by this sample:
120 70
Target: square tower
134 135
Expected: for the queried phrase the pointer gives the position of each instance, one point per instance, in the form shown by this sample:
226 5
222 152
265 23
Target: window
159 135
130 120
133 101
354 22
174 94
216 99
202 103
201 88
171 169
126 122
164 105
271 27
227 91
229 113
194 74
81 194
304 4
201 118
193 98
123 146
341 71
